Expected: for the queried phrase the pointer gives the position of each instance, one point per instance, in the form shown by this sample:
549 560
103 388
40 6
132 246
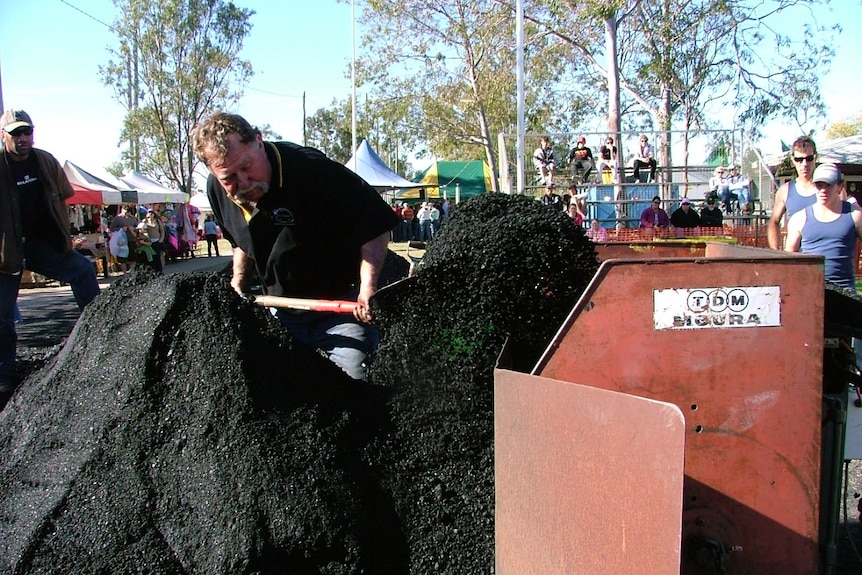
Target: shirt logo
282 217
27 179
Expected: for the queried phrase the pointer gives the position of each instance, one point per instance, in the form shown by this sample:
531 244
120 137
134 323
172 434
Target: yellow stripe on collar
278 170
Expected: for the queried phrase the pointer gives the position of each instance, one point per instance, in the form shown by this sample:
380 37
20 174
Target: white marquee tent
368 165
151 191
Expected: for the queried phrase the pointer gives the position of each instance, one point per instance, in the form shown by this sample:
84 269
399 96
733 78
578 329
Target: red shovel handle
336 306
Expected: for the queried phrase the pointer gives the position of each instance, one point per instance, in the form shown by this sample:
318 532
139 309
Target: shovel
386 296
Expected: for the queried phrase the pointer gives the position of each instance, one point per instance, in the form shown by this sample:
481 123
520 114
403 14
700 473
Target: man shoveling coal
307 225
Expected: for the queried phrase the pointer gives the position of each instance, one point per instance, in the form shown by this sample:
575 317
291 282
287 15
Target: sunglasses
800 159
21 132
711 202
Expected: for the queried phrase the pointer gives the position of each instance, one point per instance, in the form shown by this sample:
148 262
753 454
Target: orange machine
733 337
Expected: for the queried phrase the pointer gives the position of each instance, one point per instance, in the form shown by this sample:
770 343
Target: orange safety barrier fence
745 235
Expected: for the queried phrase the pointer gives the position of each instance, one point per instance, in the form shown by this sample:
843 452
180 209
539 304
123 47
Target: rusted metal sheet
587 480
751 391
650 250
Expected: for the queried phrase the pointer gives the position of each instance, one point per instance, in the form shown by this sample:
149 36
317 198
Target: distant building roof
846 152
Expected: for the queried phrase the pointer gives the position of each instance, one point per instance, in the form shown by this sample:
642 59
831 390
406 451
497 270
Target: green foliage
845 128
176 61
443 71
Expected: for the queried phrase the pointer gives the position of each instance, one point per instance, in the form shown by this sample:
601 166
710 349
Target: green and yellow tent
444 179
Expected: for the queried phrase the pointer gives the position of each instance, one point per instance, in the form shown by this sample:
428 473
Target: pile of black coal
503 267
181 430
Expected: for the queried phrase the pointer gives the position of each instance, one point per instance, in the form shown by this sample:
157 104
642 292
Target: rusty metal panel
751 392
651 250
587 480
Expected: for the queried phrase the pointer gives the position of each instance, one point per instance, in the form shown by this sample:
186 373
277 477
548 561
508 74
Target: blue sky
50 54
50 68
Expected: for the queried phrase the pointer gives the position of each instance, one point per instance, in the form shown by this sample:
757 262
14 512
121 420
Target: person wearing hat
684 218
581 160
710 215
34 227
552 199
828 228
795 194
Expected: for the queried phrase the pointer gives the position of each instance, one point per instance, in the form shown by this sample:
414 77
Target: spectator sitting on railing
608 159
718 183
738 185
654 216
685 218
644 159
581 160
543 159
711 216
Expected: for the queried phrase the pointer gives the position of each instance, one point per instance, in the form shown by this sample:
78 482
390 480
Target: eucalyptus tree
451 66
676 59
176 61
851 126
330 130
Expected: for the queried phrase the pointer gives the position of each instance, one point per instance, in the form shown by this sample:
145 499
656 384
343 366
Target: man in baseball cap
12 120
828 228
34 223
580 159
828 174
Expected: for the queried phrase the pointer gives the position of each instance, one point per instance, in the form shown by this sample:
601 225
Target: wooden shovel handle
337 306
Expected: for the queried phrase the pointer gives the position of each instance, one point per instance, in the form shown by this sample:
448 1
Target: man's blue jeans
346 341
44 259
424 230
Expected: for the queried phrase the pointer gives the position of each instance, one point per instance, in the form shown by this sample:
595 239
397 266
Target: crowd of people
421 221
685 219
143 236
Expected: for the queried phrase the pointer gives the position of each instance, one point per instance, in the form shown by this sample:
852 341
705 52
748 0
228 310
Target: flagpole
353 71
519 47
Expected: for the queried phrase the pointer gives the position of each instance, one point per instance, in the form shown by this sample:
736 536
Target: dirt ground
176 428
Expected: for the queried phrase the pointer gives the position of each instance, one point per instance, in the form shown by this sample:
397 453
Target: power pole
2 108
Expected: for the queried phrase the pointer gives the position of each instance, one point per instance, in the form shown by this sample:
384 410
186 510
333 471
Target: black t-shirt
35 212
306 234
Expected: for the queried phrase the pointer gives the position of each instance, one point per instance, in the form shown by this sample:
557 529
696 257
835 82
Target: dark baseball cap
11 120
